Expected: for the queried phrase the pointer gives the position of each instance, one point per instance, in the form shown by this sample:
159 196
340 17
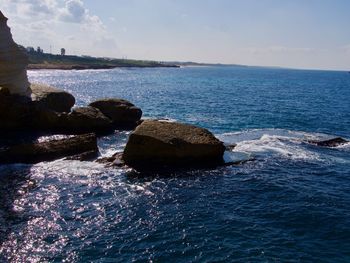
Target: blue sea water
291 203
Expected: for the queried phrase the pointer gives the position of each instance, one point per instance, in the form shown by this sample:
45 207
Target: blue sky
298 33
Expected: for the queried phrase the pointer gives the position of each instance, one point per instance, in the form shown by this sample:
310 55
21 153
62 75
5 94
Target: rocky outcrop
112 161
16 112
19 113
330 143
157 143
122 112
80 120
13 62
84 119
49 150
52 98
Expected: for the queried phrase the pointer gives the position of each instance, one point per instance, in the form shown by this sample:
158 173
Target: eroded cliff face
13 62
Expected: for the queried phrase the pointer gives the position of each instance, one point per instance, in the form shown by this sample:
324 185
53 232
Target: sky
307 34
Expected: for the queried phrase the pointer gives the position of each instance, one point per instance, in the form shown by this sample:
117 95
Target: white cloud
31 7
75 12
67 11
44 23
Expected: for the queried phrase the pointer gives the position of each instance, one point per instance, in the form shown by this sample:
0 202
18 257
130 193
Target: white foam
274 142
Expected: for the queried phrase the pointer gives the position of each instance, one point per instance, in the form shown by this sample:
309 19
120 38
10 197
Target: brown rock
114 160
83 157
85 119
155 143
52 98
16 112
13 62
121 112
49 150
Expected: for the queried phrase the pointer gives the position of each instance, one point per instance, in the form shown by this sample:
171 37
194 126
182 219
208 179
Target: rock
21 116
122 112
114 160
52 98
16 112
330 143
83 157
13 62
84 119
80 120
230 147
157 143
49 150
20 113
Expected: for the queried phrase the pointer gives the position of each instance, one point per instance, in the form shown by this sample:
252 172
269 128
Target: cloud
74 12
68 11
30 8
45 23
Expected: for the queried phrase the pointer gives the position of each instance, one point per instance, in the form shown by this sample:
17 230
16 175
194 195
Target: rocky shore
29 110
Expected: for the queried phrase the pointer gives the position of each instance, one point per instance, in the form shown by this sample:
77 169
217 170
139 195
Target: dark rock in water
49 150
114 160
122 112
230 147
83 157
16 112
19 113
84 119
80 120
330 143
158 143
52 98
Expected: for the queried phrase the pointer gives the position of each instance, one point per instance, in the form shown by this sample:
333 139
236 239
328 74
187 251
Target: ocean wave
268 143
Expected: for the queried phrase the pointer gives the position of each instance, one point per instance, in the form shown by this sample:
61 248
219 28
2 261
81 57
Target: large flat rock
49 150
156 143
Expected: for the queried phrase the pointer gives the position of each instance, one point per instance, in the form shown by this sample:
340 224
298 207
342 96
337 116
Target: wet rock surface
156 143
122 112
49 150
330 143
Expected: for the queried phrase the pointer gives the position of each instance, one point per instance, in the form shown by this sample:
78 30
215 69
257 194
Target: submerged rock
49 150
157 143
330 143
13 62
114 160
83 157
122 112
52 98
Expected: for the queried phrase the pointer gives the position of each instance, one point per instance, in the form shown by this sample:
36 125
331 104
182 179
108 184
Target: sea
288 202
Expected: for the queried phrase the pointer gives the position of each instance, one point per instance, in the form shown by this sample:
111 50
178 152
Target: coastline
87 67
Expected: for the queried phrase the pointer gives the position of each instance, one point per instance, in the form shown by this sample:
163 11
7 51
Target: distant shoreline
40 60
86 67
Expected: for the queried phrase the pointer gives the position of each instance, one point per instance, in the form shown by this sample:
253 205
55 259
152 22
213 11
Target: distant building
30 49
39 50
63 52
